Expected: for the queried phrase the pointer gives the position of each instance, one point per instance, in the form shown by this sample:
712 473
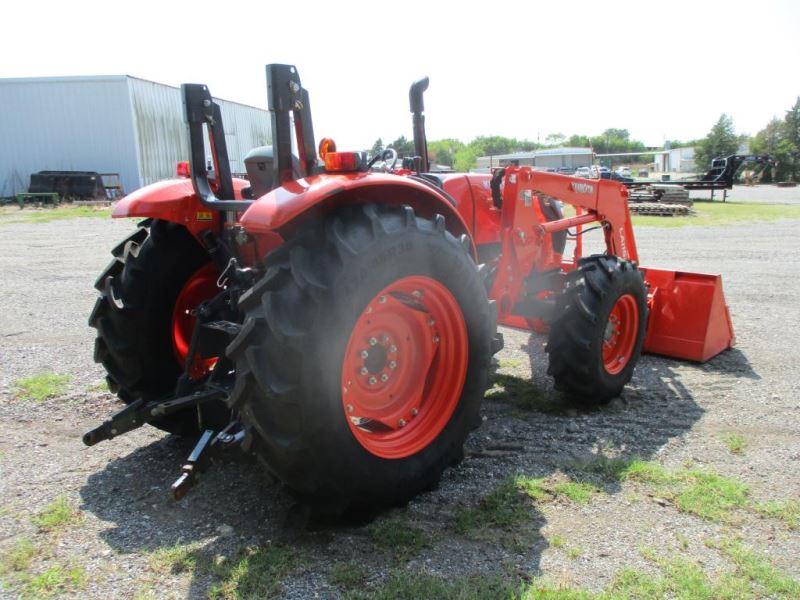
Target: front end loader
336 314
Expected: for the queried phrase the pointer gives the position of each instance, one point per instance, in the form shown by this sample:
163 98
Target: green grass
580 492
402 585
99 386
19 557
574 552
42 386
556 541
178 558
522 393
56 515
256 573
710 496
347 574
787 511
758 569
55 580
400 537
735 443
46 215
504 508
711 214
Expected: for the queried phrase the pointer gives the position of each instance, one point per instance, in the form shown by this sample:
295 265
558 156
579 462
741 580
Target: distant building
675 160
108 124
546 158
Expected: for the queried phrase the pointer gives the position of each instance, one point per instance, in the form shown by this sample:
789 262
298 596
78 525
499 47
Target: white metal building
675 160
546 158
109 124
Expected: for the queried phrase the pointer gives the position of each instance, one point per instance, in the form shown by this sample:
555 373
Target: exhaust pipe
417 108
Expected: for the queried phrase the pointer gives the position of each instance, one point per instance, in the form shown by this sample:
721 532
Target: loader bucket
688 315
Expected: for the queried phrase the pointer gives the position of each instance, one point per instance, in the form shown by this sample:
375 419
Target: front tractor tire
596 340
363 357
143 321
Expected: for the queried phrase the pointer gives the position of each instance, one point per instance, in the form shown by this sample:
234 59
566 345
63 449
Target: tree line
780 139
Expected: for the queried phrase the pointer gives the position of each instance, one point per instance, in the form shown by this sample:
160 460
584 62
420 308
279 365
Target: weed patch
42 386
347 574
735 443
400 537
58 514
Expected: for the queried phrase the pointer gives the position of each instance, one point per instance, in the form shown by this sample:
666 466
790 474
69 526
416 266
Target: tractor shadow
528 429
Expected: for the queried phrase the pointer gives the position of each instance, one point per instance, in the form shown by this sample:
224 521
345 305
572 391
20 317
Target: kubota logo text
582 188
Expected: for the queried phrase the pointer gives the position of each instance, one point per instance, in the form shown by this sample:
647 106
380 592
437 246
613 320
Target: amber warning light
344 161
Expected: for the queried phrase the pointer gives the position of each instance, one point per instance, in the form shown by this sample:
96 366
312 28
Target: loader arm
688 315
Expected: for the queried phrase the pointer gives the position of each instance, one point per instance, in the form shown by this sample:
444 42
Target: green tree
443 152
465 159
377 147
720 141
403 146
555 139
792 139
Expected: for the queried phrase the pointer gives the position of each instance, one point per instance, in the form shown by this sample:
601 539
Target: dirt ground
736 417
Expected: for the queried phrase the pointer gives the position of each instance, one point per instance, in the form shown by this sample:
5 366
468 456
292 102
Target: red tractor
336 315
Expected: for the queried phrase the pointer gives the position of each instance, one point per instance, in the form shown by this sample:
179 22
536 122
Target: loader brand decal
582 188
204 215
527 197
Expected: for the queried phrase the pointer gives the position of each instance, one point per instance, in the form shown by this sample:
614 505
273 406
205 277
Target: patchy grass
523 393
402 585
509 363
55 580
711 214
710 496
574 552
735 443
59 213
178 558
758 569
19 557
347 574
400 537
503 508
56 515
580 492
787 511
256 573
556 541
99 386
42 386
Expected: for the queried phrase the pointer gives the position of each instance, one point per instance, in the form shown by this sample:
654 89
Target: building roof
561 151
98 78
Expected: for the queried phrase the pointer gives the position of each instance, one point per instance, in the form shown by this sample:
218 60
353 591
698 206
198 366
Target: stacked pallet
668 194
660 209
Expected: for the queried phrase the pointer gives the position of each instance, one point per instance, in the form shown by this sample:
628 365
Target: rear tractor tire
596 340
158 274
363 358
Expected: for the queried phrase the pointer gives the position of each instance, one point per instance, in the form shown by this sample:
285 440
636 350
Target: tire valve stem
349 408
401 423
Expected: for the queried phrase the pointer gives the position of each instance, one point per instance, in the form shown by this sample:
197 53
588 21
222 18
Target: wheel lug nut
416 294
431 322
372 380
382 299
364 370
436 339
392 364
392 348
372 341
414 412
384 339
402 422
384 377
364 354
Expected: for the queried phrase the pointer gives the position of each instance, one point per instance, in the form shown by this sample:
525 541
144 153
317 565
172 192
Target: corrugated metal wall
161 132
65 124
115 124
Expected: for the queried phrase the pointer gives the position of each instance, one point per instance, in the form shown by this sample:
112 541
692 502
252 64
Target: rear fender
173 200
283 208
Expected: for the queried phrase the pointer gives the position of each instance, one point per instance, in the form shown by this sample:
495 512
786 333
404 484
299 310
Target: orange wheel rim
619 336
404 367
200 286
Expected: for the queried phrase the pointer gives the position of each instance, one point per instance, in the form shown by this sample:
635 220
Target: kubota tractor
335 314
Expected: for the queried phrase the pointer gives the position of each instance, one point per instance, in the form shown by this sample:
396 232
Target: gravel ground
673 412
763 194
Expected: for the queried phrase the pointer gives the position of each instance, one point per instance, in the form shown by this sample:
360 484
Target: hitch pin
222 279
